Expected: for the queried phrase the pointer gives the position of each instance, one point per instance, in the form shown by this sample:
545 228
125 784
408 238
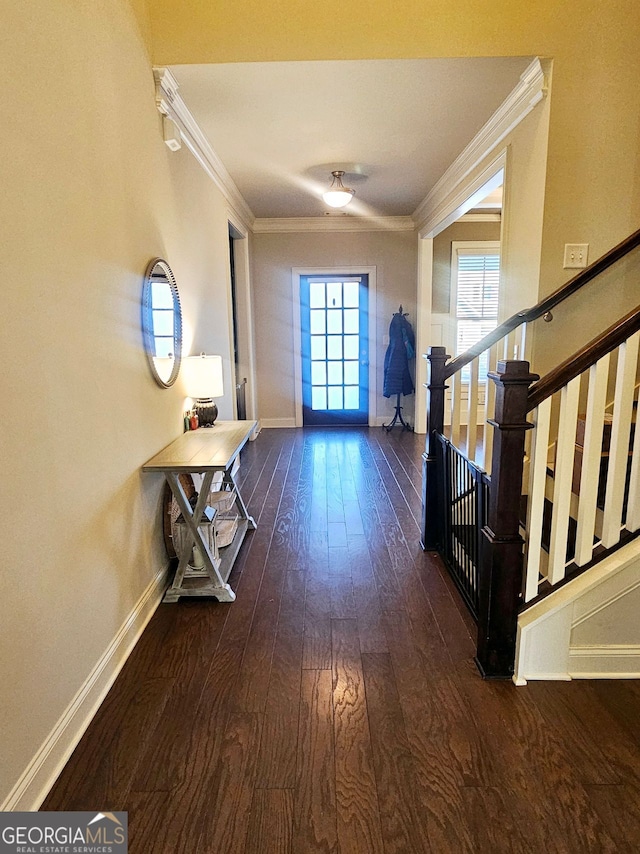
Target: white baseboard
381 420
605 662
550 676
43 770
267 423
374 421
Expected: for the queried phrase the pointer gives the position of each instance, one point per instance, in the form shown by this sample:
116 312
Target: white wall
394 254
589 628
90 194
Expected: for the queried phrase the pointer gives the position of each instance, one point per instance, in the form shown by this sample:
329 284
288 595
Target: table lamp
202 382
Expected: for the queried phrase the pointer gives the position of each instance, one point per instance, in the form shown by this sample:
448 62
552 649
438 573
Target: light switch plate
575 255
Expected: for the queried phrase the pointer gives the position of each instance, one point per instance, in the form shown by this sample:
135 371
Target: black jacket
397 377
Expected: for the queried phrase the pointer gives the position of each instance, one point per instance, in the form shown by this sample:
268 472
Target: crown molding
290 225
170 104
531 89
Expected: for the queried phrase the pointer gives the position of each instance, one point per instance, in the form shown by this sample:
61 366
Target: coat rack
397 377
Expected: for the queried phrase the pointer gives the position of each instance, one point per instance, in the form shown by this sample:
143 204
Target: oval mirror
162 322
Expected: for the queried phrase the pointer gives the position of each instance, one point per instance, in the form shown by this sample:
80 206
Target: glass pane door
335 353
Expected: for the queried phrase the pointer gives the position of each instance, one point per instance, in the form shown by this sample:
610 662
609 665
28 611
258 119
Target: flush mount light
338 195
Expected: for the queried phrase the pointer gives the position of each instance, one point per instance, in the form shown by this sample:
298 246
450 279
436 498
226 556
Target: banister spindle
456 395
633 503
591 459
472 410
521 341
562 479
535 504
502 558
489 409
620 434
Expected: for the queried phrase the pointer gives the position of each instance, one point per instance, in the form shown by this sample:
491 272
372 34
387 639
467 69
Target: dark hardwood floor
335 706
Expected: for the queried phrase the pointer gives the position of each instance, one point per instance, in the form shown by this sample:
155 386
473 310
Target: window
475 286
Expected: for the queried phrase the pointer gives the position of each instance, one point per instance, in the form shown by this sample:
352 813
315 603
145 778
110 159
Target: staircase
541 509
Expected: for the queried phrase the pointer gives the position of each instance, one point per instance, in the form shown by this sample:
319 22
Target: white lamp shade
203 376
338 198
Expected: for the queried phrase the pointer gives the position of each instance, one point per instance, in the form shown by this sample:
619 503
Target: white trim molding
613 661
531 89
271 423
464 195
330 222
41 773
170 103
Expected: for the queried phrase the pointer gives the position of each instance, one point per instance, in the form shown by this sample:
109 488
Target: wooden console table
204 451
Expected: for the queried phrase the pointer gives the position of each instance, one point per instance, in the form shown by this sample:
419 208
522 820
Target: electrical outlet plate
575 255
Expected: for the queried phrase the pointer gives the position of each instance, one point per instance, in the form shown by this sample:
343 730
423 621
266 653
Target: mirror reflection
162 322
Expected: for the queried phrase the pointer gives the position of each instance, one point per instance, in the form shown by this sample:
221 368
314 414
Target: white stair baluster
513 345
535 507
633 504
591 457
507 353
562 478
472 410
456 394
522 341
620 435
489 410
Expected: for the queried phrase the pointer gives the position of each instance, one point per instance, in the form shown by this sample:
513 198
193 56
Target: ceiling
394 126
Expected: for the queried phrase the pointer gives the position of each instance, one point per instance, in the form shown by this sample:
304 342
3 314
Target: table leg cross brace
217 586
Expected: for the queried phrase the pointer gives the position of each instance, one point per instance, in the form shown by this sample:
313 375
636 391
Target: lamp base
207 412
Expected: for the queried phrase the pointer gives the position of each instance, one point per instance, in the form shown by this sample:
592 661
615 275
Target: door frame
461 198
296 273
245 324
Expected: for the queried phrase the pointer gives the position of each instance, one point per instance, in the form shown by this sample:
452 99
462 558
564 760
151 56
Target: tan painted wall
141 11
89 195
394 254
582 318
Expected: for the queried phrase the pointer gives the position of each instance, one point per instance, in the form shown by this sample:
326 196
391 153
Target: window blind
478 285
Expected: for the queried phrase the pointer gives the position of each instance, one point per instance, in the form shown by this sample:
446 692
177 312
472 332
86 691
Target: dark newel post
436 360
502 556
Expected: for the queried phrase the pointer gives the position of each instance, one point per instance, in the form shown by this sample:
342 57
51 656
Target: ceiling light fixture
338 195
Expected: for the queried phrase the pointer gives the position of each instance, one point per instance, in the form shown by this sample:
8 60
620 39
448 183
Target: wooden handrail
488 341
584 358
545 305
